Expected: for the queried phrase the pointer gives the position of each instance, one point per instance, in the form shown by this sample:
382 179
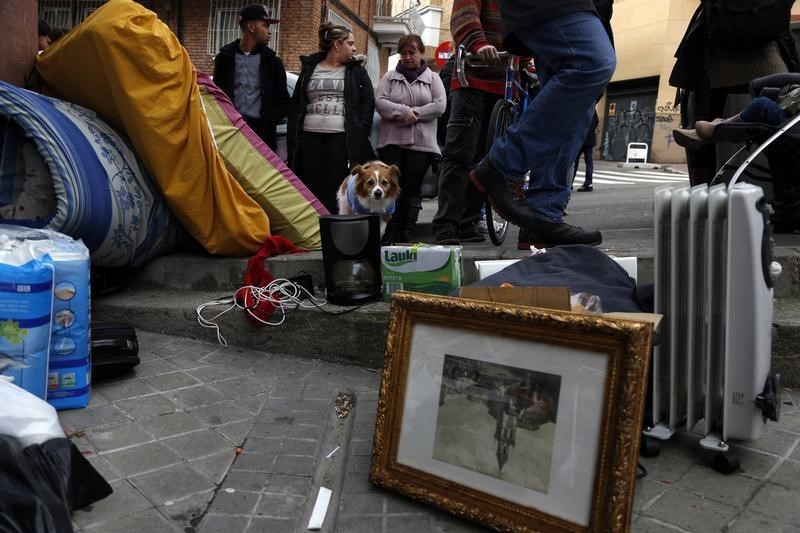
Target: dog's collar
359 209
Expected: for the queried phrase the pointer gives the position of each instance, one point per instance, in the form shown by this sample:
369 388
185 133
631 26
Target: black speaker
351 255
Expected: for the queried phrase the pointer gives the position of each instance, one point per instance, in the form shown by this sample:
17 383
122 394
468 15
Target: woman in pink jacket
409 99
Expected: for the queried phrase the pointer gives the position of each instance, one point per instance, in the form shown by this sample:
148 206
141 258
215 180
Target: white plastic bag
26 417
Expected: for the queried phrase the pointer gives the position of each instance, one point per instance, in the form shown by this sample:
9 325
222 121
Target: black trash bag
42 484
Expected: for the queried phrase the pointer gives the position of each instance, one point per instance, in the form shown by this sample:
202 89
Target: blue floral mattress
103 194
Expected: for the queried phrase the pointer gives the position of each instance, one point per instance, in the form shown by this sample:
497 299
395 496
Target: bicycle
519 86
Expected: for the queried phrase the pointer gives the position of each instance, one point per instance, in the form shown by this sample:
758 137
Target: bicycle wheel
502 114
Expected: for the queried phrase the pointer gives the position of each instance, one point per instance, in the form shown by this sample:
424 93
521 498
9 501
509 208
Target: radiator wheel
725 463
650 447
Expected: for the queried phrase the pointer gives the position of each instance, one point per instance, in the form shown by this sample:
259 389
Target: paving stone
102 415
645 493
236 432
219 413
269 429
749 522
731 489
96 398
103 467
359 464
125 389
187 512
795 455
414 522
315 406
198 444
123 501
644 524
755 464
287 390
359 524
272 445
255 462
220 523
152 367
241 387
119 436
142 458
301 446
171 483
211 373
150 520
195 396
690 512
310 418
790 422
171 381
288 484
294 464
271 525
361 447
147 406
215 466
247 481
362 504
356 482
303 431
252 404
776 442
788 475
446 523
666 467
280 505
235 502
171 424
777 503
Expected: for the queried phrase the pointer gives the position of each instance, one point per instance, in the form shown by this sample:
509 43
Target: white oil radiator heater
713 285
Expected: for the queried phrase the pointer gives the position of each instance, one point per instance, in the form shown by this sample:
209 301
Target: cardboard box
420 268
557 298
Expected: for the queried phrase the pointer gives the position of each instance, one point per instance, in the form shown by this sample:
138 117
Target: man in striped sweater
476 25
574 60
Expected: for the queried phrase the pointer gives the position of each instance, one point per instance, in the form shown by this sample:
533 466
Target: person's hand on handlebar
488 54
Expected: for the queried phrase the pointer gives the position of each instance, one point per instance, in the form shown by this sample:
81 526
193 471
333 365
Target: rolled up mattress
293 210
127 65
103 195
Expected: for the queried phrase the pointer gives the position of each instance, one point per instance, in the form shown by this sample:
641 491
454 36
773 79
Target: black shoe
470 234
506 197
447 237
546 234
585 188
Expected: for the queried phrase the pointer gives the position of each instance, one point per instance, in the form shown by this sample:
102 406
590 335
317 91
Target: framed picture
519 418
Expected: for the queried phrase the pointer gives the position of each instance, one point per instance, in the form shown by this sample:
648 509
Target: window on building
66 14
223 24
336 20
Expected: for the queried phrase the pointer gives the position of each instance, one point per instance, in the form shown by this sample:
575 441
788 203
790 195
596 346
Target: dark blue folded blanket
581 268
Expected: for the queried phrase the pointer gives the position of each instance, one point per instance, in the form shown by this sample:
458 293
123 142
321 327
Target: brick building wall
18 39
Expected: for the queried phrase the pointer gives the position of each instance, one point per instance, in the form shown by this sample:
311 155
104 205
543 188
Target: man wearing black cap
252 75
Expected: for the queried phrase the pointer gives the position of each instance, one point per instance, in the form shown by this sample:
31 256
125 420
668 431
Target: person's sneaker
546 234
585 188
471 234
447 237
507 198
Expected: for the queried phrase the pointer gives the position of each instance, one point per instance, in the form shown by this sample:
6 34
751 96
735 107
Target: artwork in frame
520 418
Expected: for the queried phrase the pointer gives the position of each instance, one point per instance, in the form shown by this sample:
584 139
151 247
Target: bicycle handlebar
464 58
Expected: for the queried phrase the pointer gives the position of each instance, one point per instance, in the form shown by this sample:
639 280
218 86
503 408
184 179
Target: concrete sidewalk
166 438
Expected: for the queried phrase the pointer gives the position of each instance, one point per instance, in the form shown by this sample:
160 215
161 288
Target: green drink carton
420 268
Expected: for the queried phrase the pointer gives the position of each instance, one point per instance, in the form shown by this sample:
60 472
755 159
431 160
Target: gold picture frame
519 418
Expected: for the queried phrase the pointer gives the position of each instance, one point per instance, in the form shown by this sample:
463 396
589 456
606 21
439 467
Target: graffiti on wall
626 127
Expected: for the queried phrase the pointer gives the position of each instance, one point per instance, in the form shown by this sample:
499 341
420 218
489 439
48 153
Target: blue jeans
574 61
762 109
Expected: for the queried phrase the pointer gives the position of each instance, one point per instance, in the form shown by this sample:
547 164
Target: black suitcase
115 349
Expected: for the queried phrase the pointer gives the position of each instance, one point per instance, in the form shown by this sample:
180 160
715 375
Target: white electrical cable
284 295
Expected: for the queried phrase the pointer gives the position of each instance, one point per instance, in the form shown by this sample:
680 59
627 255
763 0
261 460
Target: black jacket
359 107
274 95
